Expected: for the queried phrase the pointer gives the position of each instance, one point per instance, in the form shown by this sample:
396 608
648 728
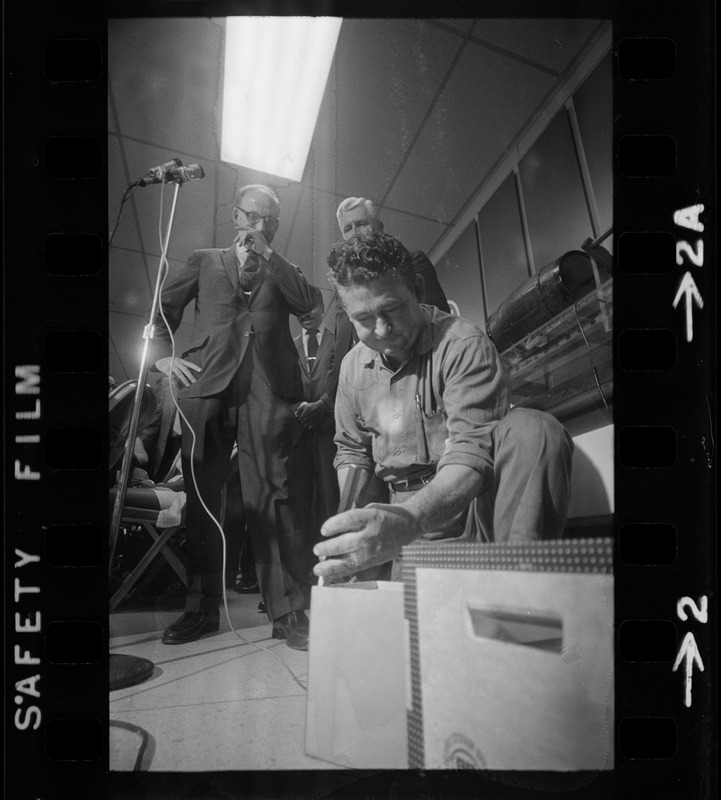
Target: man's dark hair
364 258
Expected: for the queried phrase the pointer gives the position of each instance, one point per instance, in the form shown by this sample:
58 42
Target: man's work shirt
439 408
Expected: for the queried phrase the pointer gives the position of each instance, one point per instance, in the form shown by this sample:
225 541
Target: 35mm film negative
56 287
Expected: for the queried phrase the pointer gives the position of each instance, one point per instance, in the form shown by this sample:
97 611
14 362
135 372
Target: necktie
248 271
312 348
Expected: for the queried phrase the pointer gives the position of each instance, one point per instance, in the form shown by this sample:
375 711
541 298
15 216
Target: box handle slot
542 630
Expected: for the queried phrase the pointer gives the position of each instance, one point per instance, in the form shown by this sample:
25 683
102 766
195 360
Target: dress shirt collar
241 254
319 330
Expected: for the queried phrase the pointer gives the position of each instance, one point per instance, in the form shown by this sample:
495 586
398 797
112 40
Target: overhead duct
544 295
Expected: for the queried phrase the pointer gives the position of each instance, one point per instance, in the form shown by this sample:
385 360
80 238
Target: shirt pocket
381 445
431 433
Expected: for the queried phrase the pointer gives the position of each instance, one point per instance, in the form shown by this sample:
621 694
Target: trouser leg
532 479
278 536
327 494
205 463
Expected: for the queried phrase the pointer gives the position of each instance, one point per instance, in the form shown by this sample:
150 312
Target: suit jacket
226 321
433 294
314 382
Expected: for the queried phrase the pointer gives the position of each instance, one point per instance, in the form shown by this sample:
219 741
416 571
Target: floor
214 704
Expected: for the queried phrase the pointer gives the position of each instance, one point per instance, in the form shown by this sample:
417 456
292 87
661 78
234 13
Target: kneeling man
423 402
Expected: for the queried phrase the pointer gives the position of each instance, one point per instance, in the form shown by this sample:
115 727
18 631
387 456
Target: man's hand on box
363 537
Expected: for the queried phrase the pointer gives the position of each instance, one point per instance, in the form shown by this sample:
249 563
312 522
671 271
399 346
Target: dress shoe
191 626
246 582
294 628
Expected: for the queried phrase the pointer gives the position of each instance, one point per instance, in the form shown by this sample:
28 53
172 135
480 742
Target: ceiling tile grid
295 235
553 43
117 368
461 25
415 232
126 331
127 233
129 286
164 75
465 135
388 73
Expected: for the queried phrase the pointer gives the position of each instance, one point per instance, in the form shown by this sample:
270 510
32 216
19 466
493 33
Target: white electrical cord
164 273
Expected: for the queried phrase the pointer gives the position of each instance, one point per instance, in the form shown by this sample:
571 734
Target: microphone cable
164 268
127 194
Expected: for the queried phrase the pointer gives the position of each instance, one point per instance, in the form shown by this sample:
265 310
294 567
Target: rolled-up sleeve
354 444
475 396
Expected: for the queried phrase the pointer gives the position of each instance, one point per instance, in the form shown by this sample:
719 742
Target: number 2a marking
700 614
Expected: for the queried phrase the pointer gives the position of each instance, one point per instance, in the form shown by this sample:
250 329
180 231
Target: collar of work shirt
423 344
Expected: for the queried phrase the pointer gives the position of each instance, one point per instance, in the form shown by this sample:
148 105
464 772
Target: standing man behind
316 447
358 216
423 401
239 378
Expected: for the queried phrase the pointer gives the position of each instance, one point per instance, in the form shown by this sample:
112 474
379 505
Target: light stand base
128 670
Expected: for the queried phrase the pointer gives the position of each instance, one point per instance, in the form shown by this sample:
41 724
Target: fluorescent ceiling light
276 70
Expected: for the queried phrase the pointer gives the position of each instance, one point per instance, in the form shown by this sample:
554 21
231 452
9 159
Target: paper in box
356 710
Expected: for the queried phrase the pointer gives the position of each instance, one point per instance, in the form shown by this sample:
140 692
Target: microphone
193 172
157 174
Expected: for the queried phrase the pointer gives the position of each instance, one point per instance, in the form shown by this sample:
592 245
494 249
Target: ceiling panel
414 232
553 43
290 198
320 168
388 71
228 179
127 234
325 232
126 331
224 230
117 368
462 25
466 134
298 247
164 77
129 287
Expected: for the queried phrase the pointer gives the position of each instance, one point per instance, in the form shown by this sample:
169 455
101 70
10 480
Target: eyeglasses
254 218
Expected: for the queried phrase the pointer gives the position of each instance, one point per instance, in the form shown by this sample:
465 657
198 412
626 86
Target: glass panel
594 112
503 253
459 272
551 368
556 210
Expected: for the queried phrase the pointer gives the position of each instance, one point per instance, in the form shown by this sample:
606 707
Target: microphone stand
148 334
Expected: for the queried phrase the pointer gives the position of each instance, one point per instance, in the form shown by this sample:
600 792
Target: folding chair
142 506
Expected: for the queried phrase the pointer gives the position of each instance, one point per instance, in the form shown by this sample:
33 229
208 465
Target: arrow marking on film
688 654
688 289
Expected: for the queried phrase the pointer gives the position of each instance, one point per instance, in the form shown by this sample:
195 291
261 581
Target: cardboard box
511 656
356 710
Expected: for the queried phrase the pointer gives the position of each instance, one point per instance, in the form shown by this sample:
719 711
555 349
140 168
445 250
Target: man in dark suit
239 380
357 216
316 448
